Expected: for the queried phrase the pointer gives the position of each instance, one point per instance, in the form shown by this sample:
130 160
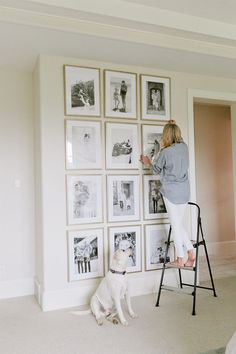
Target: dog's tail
81 312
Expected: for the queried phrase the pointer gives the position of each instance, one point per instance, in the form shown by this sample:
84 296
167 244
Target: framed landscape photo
86 255
83 144
151 140
155 97
155 246
82 91
154 206
84 199
123 238
123 197
122 148
120 94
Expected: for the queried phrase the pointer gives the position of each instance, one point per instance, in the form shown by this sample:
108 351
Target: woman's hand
145 160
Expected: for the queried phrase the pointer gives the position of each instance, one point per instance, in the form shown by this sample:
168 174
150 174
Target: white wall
56 291
16 184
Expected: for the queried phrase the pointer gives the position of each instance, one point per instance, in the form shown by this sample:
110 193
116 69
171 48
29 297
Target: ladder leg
208 262
196 267
163 268
180 279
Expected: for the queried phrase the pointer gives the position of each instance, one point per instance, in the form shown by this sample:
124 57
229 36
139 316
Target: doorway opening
211 154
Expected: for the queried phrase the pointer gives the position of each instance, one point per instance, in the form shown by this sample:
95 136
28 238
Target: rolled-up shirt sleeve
158 163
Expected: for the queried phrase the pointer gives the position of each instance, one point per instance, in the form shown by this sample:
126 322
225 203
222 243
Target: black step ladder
196 245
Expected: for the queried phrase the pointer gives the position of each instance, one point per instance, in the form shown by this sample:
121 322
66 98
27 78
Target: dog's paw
99 321
124 323
133 315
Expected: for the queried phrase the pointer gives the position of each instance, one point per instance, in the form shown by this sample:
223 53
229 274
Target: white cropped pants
177 214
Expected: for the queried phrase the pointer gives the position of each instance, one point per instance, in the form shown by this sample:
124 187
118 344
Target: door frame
212 97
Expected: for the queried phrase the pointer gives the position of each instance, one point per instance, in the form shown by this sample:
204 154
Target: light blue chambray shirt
172 164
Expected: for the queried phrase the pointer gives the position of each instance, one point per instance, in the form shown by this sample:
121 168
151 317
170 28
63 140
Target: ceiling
183 35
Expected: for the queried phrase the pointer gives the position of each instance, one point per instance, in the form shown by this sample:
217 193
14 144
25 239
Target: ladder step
176 267
177 290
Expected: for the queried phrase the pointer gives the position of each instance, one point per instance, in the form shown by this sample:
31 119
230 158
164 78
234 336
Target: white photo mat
123 198
154 206
155 246
122 147
82 91
84 199
155 97
120 94
85 254
123 238
151 135
83 144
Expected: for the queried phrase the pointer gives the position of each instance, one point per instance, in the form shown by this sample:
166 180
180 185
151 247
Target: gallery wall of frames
104 140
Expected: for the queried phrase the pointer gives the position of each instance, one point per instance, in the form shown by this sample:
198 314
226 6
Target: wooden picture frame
155 97
82 91
120 98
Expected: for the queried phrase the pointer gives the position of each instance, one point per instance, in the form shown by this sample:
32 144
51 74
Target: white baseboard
16 288
78 295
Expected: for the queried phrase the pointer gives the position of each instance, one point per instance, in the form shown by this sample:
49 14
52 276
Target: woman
172 164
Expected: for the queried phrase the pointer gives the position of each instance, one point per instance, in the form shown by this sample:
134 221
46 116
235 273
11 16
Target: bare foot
191 259
179 262
189 263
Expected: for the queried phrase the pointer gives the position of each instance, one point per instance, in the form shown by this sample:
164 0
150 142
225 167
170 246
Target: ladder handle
196 205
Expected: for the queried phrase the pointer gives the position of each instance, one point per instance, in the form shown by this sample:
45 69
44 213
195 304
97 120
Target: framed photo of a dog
84 199
123 238
151 139
86 255
155 246
154 206
122 148
123 198
155 97
83 144
120 94
82 91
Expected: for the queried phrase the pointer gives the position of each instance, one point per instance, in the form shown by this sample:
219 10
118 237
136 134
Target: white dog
106 300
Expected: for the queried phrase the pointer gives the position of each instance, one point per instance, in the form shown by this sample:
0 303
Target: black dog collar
116 272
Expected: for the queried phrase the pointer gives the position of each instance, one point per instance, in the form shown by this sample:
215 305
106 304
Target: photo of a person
84 194
123 93
116 98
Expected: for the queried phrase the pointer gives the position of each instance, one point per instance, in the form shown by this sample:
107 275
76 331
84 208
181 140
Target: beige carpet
168 329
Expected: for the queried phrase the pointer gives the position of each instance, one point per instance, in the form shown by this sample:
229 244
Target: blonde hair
171 134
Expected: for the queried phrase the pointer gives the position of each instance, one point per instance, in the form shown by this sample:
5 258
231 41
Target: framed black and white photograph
86 255
82 91
84 199
155 97
123 197
154 206
155 246
122 148
151 140
120 94
83 144
123 238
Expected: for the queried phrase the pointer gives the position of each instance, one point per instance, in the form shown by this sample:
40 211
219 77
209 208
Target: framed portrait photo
151 140
122 148
86 255
82 91
123 197
123 238
154 206
84 199
120 94
155 97
83 144
155 246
